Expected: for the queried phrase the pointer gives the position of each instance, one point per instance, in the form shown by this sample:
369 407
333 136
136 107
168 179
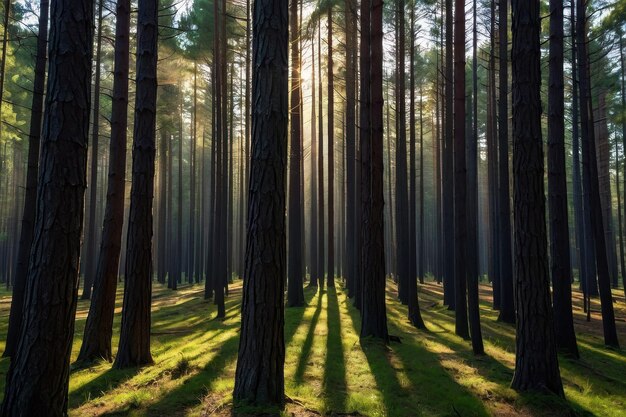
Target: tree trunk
191 249
320 165
90 250
557 189
259 378
295 294
99 326
330 278
507 307
373 310
536 362
415 316
163 195
314 271
447 168
134 347
30 195
38 376
590 176
460 175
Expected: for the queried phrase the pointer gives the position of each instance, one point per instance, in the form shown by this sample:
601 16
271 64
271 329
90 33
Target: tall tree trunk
557 188
134 347
507 307
314 272
163 195
321 266
590 176
492 167
460 175
536 362
90 250
473 253
259 378
415 316
38 376
330 278
30 195
295 294
99 326
619 210
373 310
191 250
350 145
447 167
623 90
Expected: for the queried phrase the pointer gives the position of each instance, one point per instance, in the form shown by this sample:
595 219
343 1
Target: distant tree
134 346
91 236
330 278
38 376
536 362
259 378
99 326
460 175
30 196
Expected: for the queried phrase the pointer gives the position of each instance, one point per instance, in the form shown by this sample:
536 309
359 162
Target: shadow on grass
193 389
293 319
308 343
335 384
99 386
430 389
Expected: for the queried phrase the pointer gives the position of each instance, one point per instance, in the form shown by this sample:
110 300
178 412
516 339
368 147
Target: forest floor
328 372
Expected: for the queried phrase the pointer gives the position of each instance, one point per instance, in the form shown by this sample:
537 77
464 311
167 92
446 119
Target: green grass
329 372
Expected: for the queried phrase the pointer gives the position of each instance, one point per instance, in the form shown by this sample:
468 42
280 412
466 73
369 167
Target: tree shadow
101 385
308 343
430 388
294 318
193 389
334 383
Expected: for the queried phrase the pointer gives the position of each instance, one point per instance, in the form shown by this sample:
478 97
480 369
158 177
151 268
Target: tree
590 178
415 315
314 271
405 257
460 175
320 166
473 299
38 376
259 378
536 362
134 346
330 278
295 294
373 310
30 197
505 274
99 326
557 188
90 250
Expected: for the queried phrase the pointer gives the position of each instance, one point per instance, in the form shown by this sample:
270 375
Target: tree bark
99 326
557 189
330 278
295 293
30 195
259 378
134 347
536 362
38 376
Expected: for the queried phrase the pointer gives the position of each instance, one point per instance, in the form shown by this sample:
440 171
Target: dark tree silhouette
330 278
259 378
38 376
536 362
134 347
